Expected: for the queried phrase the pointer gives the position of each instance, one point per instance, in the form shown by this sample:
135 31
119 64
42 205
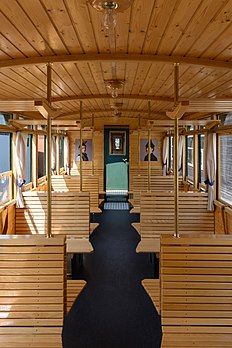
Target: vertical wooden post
176 179
149 147
139 144
49 140
92 144
81 145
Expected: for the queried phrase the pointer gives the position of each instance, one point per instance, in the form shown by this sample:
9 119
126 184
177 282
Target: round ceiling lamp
114 85
118 5
109 9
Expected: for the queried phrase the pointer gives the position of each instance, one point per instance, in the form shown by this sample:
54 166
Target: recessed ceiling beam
125 57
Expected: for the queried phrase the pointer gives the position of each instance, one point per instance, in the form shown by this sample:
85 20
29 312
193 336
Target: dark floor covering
113 310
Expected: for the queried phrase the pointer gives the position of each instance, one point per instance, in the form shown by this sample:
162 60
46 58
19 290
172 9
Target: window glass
4 118
41 155
189 156
226 119
226 168
5 166
5 152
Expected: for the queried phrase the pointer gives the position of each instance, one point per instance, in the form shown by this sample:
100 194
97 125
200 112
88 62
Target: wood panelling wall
136 166
88 168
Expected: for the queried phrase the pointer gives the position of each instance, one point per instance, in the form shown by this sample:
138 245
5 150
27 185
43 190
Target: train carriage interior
115 174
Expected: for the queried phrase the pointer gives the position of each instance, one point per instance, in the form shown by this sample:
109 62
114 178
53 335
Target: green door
116 158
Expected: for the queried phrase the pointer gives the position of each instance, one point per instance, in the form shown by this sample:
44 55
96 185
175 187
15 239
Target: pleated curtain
165 154
53 155
180 152
66 155
210 167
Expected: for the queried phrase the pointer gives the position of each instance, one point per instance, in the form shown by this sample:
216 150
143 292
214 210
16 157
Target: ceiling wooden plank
217 36
8 50
25 26
79 13
178 24
194 81
60 19
205 13
138 28
41 20
12 33
161 14
215 87
16 84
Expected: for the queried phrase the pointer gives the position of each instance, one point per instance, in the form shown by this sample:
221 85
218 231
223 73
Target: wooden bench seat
196 291
157 215
90 183
32 291
70 217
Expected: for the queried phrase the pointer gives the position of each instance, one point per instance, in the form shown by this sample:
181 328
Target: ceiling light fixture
110 8
114 86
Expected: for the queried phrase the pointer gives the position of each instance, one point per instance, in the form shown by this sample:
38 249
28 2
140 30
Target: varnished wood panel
195 293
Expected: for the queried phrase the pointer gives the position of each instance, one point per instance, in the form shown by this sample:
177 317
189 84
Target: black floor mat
113 310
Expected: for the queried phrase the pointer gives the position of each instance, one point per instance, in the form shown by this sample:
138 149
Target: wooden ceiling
150 37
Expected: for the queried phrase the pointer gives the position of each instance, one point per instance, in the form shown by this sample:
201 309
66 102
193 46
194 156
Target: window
225 168
41 155
29 159
61 145
201 140
5 153
189 156
5 166
4 118
118 143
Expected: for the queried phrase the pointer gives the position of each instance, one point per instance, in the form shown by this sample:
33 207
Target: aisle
113 310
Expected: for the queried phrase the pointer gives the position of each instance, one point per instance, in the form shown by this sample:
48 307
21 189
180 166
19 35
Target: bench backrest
70 214
157 213
157 183
66 183
196 288
32 291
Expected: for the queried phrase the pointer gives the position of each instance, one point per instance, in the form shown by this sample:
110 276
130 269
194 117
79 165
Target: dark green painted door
116 158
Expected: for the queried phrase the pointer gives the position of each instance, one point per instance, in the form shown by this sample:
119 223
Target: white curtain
210 168
53 155
180 152
21 152
165 154
66 155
